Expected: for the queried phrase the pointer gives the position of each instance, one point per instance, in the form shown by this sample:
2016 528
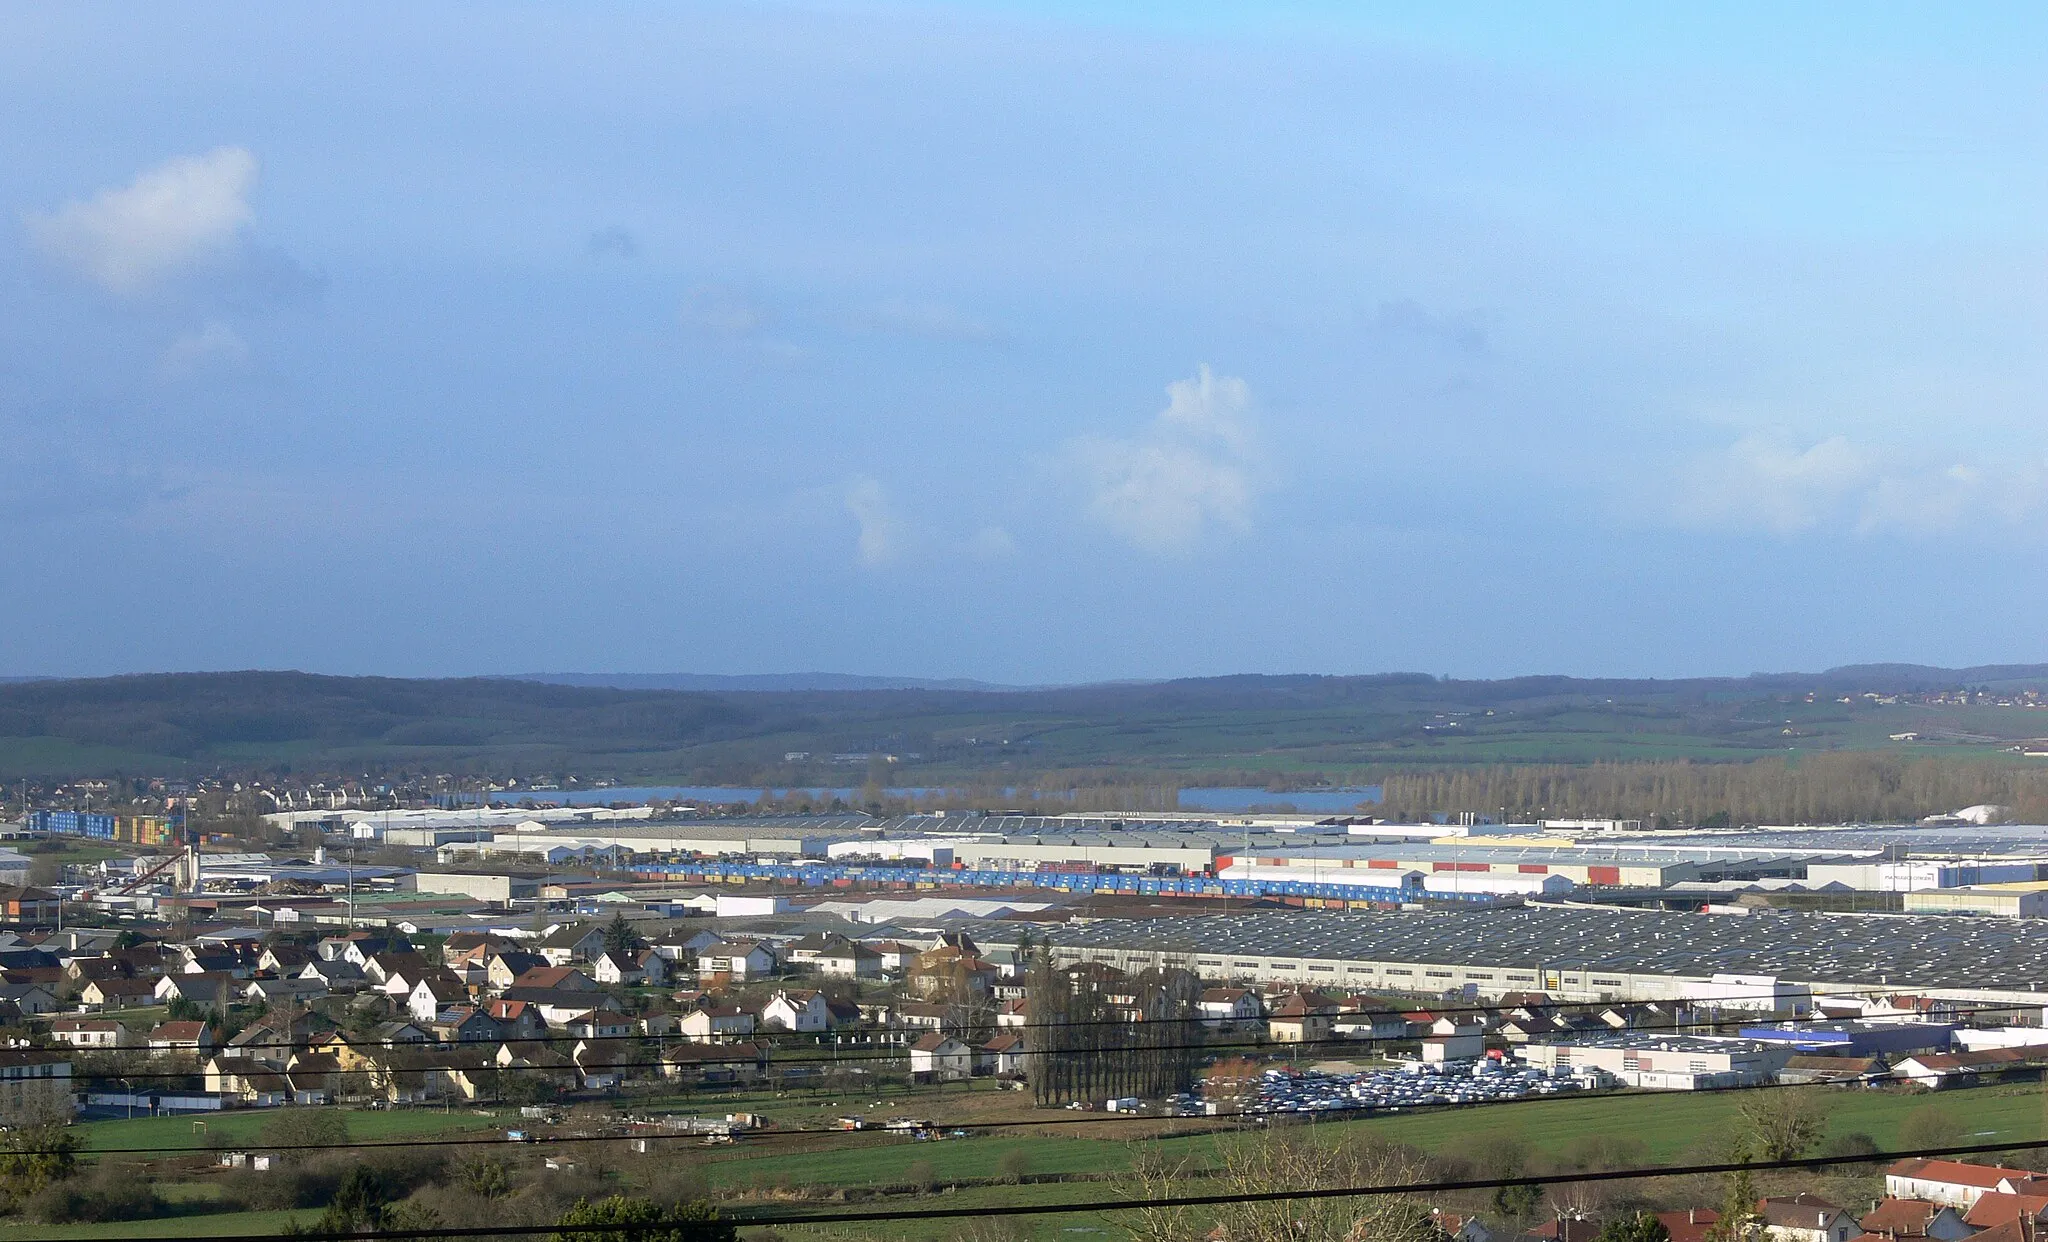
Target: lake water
1214 798
1223 798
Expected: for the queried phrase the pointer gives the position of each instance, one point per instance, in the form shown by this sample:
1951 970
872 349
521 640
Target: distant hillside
175 719
816 730
766 682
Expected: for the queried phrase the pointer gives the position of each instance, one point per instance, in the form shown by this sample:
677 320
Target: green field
244 1129
762 1173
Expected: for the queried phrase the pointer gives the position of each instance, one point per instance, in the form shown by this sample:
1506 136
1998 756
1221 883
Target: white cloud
1192 469
1766 482
213 344
880 532
178 216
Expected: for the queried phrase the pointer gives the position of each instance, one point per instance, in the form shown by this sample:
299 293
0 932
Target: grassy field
244 1129
222 1225
759 1174
1671 1126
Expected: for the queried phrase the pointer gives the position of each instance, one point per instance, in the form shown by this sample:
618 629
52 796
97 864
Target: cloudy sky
1023 342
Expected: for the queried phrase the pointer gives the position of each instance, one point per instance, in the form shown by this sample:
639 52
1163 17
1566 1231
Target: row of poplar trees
1086 1039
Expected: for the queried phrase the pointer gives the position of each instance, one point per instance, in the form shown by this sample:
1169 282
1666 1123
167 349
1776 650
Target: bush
1930 1125
111 1193
1014 1164
920 1176
306 1127
1849 1145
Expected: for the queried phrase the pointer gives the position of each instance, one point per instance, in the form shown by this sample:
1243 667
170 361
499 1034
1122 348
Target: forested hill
227 717
1341 727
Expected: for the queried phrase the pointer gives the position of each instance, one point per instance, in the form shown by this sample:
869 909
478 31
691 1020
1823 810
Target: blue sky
1023 342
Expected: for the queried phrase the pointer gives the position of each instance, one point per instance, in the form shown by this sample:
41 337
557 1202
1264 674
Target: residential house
436 991
829 953
468 950
723 1022
284 959
34 1083
599 1065
926 1016
117 993
800 1010
1689 1224
1224 1008
1914 1220
1805 1218
574 942
1002 1056
336 974
948 972
466 1024
1955 1183
741 1064
180 1037
97 1033
212 990
248 1081
518 1021
291 991
557 979
895 955
504 967
30 999
394 974
598 1024
618 969
28 905
1940 1070
556 1007
938 1057
1299 1019
314 1077
1367 1017
1461 1228
1997 1208
204 963
655 969
738 959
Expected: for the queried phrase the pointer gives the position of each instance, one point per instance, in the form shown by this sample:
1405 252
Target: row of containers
828 875
157 830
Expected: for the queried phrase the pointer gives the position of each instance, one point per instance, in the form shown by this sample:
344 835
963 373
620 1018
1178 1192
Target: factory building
1914 875
2006 901
1666 1062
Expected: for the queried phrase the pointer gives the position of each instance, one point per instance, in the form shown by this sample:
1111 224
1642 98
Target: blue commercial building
1859 1039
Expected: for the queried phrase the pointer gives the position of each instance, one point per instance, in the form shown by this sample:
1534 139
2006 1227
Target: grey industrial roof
1899 951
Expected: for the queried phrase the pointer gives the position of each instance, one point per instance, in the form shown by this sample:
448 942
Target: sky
1025 342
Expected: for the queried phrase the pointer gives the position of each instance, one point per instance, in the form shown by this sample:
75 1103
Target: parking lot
1422 1086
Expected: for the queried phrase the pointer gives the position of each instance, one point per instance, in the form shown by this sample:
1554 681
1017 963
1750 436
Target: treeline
1092 1034
1844 787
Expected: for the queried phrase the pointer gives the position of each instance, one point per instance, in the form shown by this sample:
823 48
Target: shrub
110 1193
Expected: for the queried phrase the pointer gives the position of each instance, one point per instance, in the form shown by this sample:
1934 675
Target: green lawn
185 1133
223 1225
1673 1126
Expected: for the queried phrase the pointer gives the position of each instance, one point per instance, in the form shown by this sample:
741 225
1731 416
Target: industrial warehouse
1765 962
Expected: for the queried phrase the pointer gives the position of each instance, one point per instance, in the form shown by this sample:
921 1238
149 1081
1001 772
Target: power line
1169 1201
